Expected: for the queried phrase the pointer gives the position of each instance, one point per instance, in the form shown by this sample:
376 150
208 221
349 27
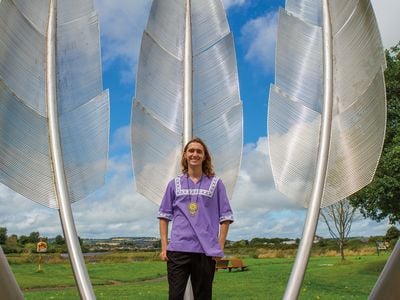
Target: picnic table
230 263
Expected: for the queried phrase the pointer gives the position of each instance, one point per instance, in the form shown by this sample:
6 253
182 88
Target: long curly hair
207 166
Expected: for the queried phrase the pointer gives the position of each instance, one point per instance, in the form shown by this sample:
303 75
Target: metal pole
188 100
67 221
387 286
8 285
188 78
300 265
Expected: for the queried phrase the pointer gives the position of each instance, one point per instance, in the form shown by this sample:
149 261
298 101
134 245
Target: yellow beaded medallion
193 207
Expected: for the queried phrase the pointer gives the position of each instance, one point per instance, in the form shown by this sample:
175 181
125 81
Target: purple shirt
197 231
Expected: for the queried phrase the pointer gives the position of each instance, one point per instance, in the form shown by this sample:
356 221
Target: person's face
195 154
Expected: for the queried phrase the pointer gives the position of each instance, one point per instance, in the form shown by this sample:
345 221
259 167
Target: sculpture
327 109
54 115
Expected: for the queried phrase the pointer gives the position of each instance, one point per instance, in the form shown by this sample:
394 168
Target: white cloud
121 25
387 14
260 34
230 3
121 138
118 210
260 37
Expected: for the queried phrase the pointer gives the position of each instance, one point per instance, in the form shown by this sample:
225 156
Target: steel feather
327 111
83 108
158 113
54 115
359 109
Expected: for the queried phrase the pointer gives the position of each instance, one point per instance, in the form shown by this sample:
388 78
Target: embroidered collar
179 190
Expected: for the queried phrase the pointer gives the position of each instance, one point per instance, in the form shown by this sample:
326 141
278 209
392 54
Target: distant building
317 238
290 242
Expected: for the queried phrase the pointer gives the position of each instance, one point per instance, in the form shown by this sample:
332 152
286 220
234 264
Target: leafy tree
11 244
23 239
392 234
380 199
3 235
34 237
59 240
339 217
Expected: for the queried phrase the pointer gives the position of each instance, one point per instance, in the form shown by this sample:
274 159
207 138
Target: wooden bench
232 263
222 264
381 246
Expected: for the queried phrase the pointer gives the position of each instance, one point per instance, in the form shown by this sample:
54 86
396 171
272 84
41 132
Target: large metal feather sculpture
54 115
327 109
187 85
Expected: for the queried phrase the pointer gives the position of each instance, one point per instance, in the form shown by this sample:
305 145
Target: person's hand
163 255
216 258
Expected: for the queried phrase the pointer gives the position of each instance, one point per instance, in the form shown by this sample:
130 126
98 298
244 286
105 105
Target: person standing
197 204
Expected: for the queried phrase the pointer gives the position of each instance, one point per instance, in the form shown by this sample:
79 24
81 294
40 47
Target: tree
59 240
3 235
339 218
11 244
23 239
380 199
33 237
392 233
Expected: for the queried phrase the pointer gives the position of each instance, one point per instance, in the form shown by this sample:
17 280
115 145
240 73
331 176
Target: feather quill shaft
8 285
188 79
70 234
297 274
323 151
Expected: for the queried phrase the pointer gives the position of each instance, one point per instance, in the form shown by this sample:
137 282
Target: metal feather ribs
327 109
187 85
54 115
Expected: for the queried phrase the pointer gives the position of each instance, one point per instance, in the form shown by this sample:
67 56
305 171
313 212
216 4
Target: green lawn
326 278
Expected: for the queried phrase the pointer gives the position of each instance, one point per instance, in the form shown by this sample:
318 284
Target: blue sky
117 209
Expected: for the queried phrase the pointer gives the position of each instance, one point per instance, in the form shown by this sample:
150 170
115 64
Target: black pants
201 269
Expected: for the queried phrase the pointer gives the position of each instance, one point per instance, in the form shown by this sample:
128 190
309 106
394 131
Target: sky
117 209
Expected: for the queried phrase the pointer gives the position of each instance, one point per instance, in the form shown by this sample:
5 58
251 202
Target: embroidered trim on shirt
208 193
165 215
226 218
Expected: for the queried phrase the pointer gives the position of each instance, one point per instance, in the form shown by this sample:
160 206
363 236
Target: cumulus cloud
230 3
260 37
118 210
121 138
386 12
121 25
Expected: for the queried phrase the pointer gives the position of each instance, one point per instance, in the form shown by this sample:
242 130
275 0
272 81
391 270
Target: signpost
41 247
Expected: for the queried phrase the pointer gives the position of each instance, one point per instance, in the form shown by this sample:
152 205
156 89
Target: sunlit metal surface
22 51
327 112
310 11
157 113
8 285
188 77
359 112
54 126
387 286
83 108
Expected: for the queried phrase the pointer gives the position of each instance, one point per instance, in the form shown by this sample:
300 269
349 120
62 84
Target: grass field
326 278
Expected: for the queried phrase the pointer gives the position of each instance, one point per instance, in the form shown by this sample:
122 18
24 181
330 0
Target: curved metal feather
163 84
295 103
54 115
327 111
83 108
